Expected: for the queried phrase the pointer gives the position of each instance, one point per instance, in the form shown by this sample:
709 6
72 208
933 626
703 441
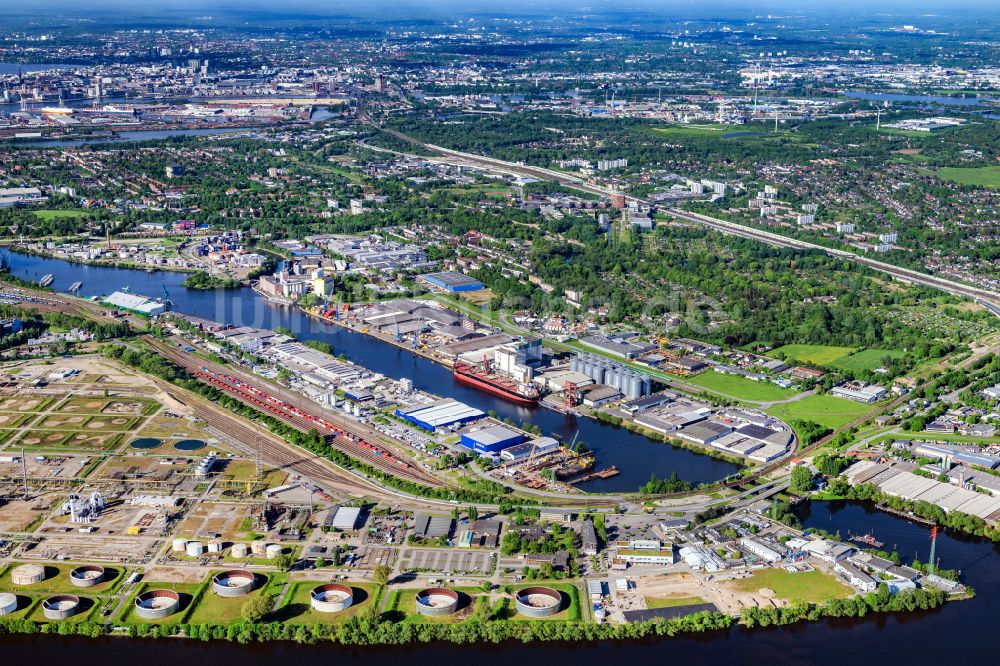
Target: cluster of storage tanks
630 383
239 550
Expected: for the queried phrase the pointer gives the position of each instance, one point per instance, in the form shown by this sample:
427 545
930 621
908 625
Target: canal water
960 631
128 135
634 455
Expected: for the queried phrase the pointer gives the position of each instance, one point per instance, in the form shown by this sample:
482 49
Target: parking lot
448 561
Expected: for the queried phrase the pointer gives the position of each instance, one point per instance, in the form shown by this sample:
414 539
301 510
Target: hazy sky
412 8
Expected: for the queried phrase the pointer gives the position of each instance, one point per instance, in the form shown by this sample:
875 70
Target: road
985 297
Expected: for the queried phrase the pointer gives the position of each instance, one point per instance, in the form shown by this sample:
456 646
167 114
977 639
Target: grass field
49 214
672 602
571 610
814 354
869 359
403 605
984 176
297 608
810 586
185 590
823 409
709 130
739 387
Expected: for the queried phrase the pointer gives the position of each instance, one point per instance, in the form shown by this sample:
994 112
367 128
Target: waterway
129 135
960 631
14 67
634 455
924 100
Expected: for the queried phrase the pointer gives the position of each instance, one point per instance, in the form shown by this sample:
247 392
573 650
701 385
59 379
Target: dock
592 476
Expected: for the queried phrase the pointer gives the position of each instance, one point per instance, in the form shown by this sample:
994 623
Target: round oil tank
215 546
178 545
233 583
272 551
61 606
194 548
436 601
27 574
240 550
258 548
157 604
538 601
88 575
331 598
8 603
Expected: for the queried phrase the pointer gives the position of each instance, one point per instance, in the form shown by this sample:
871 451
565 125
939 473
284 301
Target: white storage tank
195 549
258 547
215 546
179 545
273 551
8 603
240 550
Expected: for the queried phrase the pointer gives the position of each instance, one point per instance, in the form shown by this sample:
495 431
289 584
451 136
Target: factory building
136 303
432 527
538 447
859 392
440 414
346 518
620 344
492 439
451 281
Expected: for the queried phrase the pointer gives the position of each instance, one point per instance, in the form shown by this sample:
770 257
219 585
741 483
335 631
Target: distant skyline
444 8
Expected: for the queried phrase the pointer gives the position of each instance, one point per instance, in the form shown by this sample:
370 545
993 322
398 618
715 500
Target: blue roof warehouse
440 414
492 439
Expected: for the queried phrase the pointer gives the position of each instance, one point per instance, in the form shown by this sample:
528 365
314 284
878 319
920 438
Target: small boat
868 540
46 280
75 287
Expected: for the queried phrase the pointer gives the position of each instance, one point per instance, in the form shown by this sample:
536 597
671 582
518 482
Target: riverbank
124 265
635 456
489 624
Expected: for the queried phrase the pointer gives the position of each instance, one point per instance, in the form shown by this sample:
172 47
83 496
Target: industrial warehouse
441 414
137 304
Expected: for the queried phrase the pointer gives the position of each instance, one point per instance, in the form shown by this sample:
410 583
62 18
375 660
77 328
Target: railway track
300 416
281 454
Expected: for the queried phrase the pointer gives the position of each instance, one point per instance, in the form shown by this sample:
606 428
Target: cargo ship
495 384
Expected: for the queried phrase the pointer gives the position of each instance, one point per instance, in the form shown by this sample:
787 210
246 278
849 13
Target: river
130 135
960 631
634 455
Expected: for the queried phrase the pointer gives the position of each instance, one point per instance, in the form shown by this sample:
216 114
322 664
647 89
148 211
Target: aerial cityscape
400 330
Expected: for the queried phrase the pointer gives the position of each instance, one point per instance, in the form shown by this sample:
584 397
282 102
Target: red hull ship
495 384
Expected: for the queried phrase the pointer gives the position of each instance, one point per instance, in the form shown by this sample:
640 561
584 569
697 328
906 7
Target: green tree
257 607
381 574
802 479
